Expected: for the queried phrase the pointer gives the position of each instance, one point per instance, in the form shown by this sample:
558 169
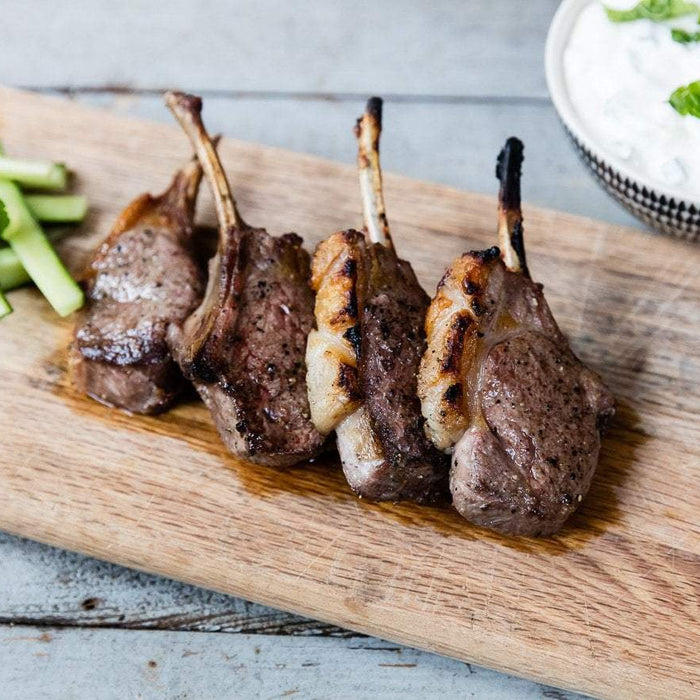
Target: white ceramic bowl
663 210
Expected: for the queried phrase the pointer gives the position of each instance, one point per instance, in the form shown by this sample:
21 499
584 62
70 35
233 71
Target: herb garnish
655 10
683 37
4 217
686 99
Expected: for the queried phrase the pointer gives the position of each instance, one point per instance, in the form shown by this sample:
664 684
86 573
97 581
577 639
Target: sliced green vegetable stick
56 207
34 173
36 253
12 272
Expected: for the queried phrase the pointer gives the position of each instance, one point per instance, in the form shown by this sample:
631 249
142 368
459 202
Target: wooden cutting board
610 606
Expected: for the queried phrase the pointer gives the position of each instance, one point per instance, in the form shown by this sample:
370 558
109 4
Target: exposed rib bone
368 130
188 111
181 195
198 336
510 218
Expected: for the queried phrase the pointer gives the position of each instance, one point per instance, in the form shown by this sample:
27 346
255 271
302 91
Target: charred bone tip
372 115
509 171
374 110
368 130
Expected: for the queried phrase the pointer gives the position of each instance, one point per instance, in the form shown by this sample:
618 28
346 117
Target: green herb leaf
686 99
683 37
655 10
5 308
4 217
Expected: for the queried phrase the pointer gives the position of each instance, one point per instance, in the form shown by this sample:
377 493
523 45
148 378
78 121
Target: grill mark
350 309
348 381
487 255
453 394
454 345
354 336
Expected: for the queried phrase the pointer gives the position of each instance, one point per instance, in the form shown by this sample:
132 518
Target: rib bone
243 348
198 347
364 355
510 217
188 111
368 130
502 390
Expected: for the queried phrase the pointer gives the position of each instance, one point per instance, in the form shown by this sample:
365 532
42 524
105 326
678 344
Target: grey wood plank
448 47
47 586
72 663
451 143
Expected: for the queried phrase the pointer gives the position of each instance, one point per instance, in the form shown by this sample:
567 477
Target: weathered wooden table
457 78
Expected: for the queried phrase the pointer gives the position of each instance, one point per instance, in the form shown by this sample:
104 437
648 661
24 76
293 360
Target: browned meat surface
364 354
143 277
393 342
502 390
529 453
265 384
244 346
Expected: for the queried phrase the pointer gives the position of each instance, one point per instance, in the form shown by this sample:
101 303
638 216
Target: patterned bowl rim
557 38
660 214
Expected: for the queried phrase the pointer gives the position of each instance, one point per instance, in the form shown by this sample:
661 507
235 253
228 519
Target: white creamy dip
619 77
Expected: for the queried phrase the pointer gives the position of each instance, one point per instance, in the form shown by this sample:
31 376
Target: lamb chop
363 356
143 277
243 347
502 390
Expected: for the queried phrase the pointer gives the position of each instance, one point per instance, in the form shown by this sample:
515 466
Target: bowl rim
557 39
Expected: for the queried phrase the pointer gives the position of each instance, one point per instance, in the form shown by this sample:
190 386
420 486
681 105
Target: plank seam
281 95
58 622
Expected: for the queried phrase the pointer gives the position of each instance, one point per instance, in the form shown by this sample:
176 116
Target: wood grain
45 587
610 606
49 664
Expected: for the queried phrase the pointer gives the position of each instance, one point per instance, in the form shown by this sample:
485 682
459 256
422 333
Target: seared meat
502 390
143 277
244 346
364 355
393 341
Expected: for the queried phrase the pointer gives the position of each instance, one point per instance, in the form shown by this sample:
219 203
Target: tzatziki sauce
619 77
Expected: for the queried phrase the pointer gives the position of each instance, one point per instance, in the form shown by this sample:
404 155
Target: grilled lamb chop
363 356
243 347
502 390
143 277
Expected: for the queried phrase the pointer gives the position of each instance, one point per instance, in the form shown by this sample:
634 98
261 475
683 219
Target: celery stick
56 207
12 272
35 253
34 173
5 307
